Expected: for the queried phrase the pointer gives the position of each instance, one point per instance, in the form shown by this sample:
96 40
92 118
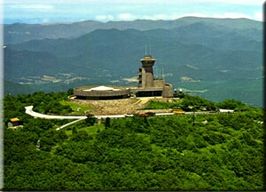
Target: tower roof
147 58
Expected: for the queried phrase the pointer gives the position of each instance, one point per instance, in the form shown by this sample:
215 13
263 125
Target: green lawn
78 108
163 104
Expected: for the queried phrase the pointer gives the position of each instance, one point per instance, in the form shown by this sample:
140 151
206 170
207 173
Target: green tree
107 122
91 120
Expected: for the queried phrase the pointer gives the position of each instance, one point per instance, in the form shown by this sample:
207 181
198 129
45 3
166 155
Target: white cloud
173 16
45 20
258 16
192 14
232 15
126 17
104 17
160 17
128 2
32 6
238 2
106 10
117 17
134 2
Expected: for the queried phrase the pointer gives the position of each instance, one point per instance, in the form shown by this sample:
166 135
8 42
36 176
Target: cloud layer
134 2
106 10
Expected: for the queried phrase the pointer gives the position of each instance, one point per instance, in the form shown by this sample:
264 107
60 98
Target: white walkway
68 124
32 113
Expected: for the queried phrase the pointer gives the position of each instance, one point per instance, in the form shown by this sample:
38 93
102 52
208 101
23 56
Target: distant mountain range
19 32
215 58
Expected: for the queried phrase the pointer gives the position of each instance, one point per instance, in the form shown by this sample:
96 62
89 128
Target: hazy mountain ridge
15 33
167 47
220 51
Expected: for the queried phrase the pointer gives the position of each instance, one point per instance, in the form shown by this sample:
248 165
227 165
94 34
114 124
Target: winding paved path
32 113
29 111
72 122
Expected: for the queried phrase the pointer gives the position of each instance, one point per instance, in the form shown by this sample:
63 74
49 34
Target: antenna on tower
145 49
163 71
156 72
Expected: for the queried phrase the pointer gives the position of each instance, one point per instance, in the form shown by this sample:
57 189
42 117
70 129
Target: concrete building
15 123
148 86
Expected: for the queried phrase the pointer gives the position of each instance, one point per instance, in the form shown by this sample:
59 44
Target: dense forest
182 152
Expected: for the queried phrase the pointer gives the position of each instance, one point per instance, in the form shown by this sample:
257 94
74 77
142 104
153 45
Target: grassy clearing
78 108
163 104
92 130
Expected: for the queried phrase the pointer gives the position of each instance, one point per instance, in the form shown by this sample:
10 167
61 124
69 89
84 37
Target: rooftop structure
14 123
13 120
101 88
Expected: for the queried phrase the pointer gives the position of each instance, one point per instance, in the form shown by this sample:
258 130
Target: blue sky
50 11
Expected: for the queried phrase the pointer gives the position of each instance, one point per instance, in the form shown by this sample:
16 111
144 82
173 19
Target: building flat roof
101 88
15 119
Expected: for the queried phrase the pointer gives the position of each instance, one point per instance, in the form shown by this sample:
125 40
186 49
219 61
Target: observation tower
146 78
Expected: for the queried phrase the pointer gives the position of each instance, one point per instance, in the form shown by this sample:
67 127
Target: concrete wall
149 77
125 92
167 91
158 83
